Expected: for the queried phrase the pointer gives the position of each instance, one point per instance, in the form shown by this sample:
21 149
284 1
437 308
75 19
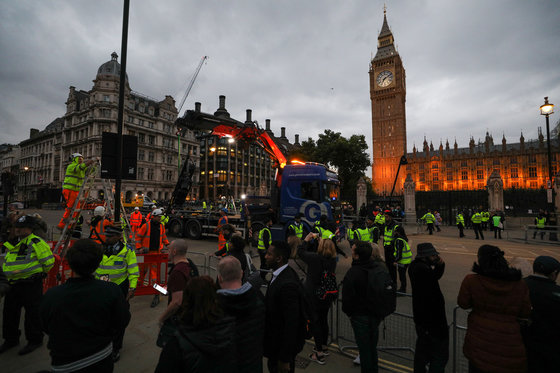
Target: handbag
168 330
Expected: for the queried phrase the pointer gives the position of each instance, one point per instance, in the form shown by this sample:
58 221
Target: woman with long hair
498 299
295 262
319 264
204 342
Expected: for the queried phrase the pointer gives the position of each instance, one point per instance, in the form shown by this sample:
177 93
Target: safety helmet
157 212
136 208
74 155
154 207
99 211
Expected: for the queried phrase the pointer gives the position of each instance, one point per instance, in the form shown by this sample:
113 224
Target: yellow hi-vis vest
429 217
406 255
388 235
120 266
540 222
298 229
363 234
459 219
476 218
325 233
379 219
30 256
485 215
75 173
261 238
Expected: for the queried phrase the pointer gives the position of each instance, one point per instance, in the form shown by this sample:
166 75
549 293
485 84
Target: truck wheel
175 228
255 228
194 229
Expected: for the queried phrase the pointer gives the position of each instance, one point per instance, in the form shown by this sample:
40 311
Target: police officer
403 257
476 219
540 222
460 221
373 229
389 235
26 264
296 228
485 218
265 239
118 265
324 229
429 218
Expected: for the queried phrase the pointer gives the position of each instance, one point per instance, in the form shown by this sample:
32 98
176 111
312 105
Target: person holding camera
428 308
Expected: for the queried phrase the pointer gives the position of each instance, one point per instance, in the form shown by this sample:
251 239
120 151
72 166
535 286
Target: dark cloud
471 66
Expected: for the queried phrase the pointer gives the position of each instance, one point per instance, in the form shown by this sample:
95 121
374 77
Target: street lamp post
547 109
25 186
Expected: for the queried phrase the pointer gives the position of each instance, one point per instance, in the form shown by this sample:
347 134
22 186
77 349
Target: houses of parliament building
445 167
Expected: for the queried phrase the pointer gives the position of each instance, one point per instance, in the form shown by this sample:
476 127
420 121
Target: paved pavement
140 353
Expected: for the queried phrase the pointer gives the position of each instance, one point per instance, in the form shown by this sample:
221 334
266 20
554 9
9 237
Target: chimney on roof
282 132
297 140
267 121
222 112
197 106
248 119
33 132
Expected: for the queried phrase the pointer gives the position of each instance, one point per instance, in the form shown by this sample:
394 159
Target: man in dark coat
245 303
283 301
542 340
428 308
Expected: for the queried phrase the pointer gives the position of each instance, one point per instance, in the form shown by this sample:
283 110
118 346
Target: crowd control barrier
152 269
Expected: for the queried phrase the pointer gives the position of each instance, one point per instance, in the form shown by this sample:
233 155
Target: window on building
513 173
141 122
150 124
422 177
435 176
169 159
533 185
105 113
496 162
140 155
532 158
448 165
106 98
150 174
151 156
464 175
532 171
480 174
479 162
141 138
513 160
435 166
449 176
464 164
140 173
151 140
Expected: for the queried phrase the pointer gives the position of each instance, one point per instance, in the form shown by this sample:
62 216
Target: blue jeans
366 332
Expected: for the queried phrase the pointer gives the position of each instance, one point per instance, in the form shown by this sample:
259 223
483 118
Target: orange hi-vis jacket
98 232
143 236
221 239
136 219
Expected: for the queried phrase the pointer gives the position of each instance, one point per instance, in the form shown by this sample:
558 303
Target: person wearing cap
73 180
389 235
498 299
151 238
476 220
119 266
428 309
136 220
429 218
296 227
221 223
25 266
265 239
542 337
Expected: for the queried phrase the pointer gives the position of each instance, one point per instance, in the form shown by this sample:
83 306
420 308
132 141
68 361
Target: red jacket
143 236
136 219
493 342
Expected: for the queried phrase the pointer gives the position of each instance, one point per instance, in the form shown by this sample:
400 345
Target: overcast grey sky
471 66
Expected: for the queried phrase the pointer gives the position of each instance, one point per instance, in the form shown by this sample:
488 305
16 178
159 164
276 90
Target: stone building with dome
45 154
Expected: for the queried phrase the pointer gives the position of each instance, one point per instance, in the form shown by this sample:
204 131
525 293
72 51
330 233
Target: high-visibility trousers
221 241
70 196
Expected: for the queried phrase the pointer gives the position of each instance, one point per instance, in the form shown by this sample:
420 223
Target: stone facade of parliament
447 168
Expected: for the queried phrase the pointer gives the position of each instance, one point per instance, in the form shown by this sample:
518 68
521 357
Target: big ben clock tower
388 96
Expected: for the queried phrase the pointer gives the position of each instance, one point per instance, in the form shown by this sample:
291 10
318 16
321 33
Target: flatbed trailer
195 224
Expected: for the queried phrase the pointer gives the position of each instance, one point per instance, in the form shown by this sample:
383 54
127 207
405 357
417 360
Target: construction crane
191 83
187 91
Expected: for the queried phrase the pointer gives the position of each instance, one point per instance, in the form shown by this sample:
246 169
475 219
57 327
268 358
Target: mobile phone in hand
161 289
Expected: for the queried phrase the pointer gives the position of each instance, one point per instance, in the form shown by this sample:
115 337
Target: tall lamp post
546 110
25 186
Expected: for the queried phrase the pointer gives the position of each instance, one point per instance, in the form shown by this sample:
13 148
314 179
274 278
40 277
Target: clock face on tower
384 79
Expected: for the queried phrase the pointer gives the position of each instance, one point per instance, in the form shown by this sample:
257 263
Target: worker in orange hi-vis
136 220
150 239
98 225
221 222
149 216
73 180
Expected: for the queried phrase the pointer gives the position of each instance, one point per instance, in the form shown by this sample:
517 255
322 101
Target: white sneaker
357 360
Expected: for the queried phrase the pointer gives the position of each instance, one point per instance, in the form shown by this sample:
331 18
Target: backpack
327 289
381 294
193 269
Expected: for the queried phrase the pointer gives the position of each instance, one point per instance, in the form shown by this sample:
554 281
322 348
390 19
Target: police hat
26 221
113 230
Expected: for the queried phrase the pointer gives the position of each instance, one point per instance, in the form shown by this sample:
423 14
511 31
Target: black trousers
461 227
431 228
478 230
321 323
389 262
402 276
431 349
25 295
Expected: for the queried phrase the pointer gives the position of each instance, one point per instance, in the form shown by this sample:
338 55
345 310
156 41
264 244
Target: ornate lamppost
547 109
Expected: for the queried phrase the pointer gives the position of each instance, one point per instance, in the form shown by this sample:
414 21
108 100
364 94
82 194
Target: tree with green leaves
348 156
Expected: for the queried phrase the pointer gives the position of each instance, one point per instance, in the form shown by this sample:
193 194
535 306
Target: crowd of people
214 324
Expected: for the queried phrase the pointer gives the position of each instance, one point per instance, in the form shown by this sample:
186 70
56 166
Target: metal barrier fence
460 362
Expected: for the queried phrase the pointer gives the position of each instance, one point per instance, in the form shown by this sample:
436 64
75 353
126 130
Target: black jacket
544 330
81 317
246 306
316 264
282 317
354 287
203 350
428 305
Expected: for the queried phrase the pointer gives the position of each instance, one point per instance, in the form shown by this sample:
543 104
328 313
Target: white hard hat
76 155
99 211
137 208
154 207
157 212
